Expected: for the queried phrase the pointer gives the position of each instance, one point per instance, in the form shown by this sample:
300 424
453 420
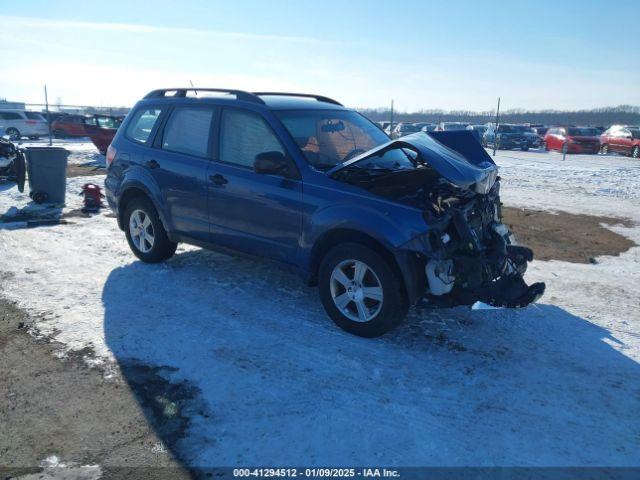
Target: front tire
604 149
360 291
635 153
14 133
145 233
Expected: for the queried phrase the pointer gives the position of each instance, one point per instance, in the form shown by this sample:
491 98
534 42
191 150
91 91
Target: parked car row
101 129
622 139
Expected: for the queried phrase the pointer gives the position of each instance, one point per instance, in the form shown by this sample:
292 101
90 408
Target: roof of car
270 100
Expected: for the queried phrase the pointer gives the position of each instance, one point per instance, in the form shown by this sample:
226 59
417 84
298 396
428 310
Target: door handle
218 179
152 164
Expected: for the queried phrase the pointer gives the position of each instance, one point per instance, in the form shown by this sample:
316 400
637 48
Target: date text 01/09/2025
316 472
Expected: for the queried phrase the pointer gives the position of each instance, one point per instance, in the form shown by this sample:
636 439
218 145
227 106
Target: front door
255 213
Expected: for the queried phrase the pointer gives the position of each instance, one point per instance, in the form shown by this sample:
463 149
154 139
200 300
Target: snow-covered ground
555 384
83 152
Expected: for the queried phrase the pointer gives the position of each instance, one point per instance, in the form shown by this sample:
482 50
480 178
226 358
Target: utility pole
46 103
391 123
495 138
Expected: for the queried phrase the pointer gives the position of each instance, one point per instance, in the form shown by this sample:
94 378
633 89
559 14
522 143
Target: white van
19 123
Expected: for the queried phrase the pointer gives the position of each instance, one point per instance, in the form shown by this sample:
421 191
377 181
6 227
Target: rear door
179 164
625 141
616 143
256 213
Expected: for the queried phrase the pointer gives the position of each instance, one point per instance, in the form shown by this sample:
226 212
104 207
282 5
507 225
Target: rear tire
380 291
145 233
635 153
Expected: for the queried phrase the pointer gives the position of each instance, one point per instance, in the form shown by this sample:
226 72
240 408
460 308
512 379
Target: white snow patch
54 469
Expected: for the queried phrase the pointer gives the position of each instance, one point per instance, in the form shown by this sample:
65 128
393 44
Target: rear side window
34 116
142 124
10 116
245 135
187 131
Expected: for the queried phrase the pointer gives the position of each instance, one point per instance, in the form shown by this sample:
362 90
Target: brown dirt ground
83 171
565 236
51 406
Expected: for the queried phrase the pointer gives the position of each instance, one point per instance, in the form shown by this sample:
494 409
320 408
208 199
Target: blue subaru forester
378 224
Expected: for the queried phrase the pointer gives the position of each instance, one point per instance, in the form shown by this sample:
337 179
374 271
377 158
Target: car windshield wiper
324 166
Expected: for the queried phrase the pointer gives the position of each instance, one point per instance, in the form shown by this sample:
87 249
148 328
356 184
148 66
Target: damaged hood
456 155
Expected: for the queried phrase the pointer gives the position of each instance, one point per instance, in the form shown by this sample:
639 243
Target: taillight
111 155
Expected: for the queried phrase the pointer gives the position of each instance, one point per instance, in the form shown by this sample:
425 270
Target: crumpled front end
466 253
469 255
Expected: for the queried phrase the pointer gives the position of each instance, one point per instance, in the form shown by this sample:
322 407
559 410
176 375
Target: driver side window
243 136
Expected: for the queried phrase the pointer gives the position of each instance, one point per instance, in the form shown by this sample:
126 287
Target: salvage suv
379 225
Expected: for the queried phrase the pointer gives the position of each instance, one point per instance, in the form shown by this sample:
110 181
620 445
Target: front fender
377 223
391 228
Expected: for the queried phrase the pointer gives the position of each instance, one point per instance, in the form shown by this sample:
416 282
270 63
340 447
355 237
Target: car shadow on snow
235 363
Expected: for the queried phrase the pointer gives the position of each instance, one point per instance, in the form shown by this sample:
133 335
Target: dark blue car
378 225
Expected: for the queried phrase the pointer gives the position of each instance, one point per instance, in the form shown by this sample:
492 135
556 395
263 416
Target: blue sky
448 54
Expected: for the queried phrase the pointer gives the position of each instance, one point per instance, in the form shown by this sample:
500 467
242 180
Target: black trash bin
47 172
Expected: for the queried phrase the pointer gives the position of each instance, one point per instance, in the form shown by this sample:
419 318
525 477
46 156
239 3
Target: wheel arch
400 261
131 192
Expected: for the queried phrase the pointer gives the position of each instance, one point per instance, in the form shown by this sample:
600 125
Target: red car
574 139
101 129
69 126
622 139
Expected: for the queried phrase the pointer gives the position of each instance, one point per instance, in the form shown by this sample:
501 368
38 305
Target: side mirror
273 163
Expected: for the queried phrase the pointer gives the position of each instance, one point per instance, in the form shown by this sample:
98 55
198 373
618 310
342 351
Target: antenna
194 88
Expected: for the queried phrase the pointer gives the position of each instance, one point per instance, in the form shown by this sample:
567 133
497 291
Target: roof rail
320 98
182 92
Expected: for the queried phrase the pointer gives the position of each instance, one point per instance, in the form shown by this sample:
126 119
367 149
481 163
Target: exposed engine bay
467 253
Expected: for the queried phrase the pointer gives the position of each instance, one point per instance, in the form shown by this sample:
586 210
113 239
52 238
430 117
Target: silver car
19 123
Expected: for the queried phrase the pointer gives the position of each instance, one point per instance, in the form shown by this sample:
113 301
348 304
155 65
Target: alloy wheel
356 290
14 133
141 231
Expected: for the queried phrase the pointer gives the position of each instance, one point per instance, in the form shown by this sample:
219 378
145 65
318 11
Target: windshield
635 132
582 132
106 122
511 129
330 137
409 128
454 126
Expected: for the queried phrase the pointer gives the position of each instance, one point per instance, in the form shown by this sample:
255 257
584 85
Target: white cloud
30 22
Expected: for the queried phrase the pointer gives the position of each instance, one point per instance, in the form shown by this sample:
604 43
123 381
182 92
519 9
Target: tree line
623 114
